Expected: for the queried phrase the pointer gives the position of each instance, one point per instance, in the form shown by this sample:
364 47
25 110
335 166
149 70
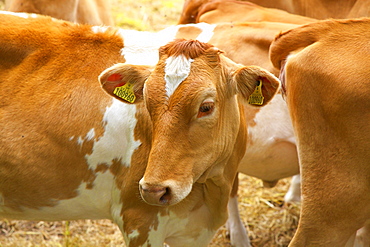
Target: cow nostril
166 196
155 195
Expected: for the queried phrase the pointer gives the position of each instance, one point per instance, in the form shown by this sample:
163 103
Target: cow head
193 99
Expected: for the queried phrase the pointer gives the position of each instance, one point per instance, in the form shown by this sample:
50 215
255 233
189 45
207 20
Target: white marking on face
177 69
71 138
118 140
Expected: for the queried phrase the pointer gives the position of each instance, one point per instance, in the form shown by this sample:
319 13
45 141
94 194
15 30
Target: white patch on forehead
177 69
118 140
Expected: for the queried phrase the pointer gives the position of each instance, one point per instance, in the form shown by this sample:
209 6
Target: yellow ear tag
126 92
256 98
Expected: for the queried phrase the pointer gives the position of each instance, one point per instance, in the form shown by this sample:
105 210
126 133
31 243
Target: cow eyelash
206 108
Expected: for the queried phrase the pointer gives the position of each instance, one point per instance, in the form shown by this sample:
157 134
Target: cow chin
166 193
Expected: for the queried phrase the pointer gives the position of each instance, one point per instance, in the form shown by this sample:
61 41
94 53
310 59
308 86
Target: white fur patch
141 48
89 136
118 140
22 15
91 203
176 71
207 32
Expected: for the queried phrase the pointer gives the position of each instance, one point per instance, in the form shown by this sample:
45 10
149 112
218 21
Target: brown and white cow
158 158
318 9
325 67
94 12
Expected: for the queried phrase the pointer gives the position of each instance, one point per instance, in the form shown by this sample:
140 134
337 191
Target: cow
217 11
271 151
94 12
317 9
325 69
153 148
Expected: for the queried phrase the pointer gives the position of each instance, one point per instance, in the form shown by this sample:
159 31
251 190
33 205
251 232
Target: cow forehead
177 69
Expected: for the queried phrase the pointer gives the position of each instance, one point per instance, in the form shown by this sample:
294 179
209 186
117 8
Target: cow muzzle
163 194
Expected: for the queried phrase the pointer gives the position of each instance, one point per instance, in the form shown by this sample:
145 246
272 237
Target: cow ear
256 85
125 81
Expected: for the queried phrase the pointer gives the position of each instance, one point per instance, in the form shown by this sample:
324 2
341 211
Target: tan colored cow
271 151
318 9
159 158
325 67
95 12
217 11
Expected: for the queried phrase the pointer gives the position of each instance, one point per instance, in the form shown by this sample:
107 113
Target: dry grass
268 221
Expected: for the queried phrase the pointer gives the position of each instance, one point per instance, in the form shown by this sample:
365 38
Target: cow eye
206 108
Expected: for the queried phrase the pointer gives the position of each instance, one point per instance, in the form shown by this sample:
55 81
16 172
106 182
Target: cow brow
177 69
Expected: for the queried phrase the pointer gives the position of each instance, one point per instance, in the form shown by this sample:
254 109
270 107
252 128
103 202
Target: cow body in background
317 9
325 67
94 12
69 151
218 11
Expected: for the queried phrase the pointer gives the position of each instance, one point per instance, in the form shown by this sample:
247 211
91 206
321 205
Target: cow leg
235 226
294 192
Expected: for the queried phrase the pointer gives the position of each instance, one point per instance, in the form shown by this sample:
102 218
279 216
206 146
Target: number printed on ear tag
256 98
125 92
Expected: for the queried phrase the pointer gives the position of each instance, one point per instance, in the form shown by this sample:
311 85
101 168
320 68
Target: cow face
192 97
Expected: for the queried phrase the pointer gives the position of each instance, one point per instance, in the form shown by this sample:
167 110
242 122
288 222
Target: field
270 223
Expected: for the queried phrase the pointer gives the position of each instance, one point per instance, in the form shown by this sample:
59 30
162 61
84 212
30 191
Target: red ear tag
114 77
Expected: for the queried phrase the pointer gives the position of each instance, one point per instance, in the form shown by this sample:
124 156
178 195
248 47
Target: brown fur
94 12
317 9
328 102
190 49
